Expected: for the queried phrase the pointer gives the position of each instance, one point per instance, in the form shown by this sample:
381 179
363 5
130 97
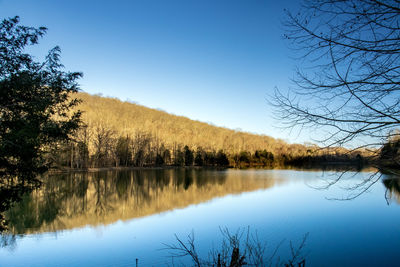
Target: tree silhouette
35 101
189 158
198 160
349 83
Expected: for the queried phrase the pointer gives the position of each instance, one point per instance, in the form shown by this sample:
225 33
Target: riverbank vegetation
243 248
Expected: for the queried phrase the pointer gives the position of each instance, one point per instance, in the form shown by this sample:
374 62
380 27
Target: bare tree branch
349 83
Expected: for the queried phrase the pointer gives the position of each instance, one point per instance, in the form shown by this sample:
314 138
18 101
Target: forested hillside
117 133
128 119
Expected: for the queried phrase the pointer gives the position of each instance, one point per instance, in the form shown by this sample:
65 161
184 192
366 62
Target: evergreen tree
198 160
188 156
222 159
159 160
35 102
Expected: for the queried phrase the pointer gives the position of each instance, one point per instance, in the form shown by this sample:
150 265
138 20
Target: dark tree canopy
349 80
35 101
189 158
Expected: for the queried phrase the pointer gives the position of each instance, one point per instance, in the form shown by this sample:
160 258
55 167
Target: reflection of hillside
393 188
78 199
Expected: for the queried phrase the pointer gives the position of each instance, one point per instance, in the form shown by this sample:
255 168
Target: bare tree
104 148
349 81
238 249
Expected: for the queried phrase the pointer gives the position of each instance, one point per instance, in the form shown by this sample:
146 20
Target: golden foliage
101 198
129 119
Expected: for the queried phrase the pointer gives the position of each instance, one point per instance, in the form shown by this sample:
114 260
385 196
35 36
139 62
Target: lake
112 218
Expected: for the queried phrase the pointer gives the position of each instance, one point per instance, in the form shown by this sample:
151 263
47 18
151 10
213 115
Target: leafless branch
349 83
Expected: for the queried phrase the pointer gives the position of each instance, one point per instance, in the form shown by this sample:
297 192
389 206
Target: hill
123 133
127 118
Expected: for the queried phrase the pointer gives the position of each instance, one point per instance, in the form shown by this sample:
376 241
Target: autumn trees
125 118
109 149
123 134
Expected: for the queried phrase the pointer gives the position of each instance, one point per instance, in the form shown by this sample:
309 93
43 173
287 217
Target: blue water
142 210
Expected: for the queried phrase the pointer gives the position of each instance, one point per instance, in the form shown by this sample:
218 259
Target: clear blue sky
210 60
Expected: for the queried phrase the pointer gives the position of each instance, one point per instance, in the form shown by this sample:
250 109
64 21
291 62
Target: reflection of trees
77 199
352 181
31 206
355 186
10 193
392 185
8 240
103 193
122 184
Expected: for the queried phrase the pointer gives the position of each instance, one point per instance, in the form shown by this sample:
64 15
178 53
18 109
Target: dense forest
116 133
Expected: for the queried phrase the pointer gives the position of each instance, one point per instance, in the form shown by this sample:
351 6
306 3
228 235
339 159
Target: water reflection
11 193
77 199
279 205
392 185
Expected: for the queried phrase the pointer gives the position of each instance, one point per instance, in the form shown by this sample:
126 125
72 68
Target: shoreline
334 166
99 169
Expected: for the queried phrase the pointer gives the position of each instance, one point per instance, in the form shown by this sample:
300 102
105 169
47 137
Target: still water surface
111 218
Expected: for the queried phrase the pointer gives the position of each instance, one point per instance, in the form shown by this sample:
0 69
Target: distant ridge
128 118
